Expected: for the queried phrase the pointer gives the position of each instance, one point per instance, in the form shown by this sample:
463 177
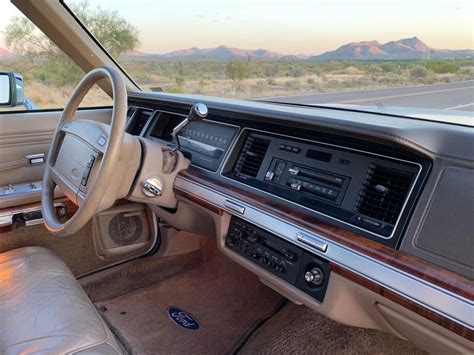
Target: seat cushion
43 309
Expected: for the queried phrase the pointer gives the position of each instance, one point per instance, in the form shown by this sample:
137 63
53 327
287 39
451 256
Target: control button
282 147
252 238
85 176
312 241
369 222
102 141
293 171
91 161
271 264
280 269
269 175
314 276
295 149
288 148
289 255
264 259
295 186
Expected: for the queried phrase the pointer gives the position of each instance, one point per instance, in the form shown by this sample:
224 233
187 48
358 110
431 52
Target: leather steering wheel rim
110 157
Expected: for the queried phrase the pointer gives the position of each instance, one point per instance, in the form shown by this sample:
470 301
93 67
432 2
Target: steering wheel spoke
92 133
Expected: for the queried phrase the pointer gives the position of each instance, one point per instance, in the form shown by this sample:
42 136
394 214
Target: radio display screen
318 155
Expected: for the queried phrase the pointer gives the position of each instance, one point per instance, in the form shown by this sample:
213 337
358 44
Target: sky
289 26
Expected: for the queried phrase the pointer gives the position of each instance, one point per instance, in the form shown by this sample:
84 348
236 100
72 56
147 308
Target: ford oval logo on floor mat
183 319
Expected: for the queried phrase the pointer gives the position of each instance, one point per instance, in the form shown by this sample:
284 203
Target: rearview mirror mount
11 89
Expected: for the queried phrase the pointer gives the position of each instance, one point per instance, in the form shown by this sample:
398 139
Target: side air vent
383 193
139 122
251 156
131 110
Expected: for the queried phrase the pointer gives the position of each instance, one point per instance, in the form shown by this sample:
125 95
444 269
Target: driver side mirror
11 89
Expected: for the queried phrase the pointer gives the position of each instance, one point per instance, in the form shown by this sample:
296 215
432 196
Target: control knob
314 276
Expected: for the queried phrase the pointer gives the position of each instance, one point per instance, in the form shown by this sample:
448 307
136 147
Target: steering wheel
83 154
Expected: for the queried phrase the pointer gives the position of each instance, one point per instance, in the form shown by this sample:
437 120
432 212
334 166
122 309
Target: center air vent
383 193
140 120
251 156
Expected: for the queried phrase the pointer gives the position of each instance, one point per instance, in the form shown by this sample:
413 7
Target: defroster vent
383 193
251 156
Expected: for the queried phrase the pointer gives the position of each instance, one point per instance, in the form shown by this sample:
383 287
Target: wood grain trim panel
417 267
199 201
405 302
422 269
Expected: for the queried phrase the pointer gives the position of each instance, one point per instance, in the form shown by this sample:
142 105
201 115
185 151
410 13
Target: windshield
367 54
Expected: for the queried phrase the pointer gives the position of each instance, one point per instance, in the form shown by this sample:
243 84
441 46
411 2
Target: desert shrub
271 82
270 70
176 90
295 72
388 67
293 84
442 66
179 80
418 71
236 70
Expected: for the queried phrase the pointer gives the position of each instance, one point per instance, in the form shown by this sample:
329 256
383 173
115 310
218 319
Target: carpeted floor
136 274
299 330
226 300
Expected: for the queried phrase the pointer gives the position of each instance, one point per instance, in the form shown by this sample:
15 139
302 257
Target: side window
34 73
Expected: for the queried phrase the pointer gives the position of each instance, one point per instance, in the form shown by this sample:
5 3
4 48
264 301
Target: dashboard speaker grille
140 121
383 193
251 156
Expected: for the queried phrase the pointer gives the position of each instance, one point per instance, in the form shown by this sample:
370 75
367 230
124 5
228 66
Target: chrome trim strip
420 169
433 297
234 206
313 241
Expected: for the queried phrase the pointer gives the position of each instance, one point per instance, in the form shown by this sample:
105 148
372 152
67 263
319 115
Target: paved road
452 96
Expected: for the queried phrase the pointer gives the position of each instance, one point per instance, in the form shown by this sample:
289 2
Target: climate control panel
289 262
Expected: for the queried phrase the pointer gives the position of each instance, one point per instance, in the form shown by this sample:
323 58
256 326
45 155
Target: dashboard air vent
383 193
139 122
251 156
131 110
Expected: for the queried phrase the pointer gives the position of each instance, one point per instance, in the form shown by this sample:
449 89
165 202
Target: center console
296 266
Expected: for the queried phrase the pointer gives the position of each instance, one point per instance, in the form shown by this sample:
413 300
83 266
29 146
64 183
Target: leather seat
43 309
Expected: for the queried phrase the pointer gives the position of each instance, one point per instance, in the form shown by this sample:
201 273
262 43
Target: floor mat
224 298
297 329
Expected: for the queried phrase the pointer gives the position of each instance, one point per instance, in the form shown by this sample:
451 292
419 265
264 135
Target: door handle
35 159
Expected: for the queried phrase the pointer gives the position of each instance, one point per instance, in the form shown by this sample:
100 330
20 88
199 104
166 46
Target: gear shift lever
197 113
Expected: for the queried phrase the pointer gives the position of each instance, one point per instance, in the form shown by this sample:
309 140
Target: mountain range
407 48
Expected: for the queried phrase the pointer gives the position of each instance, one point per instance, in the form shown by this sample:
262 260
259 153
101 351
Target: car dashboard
302 196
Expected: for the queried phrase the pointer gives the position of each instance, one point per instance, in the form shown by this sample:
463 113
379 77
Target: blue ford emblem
183 319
